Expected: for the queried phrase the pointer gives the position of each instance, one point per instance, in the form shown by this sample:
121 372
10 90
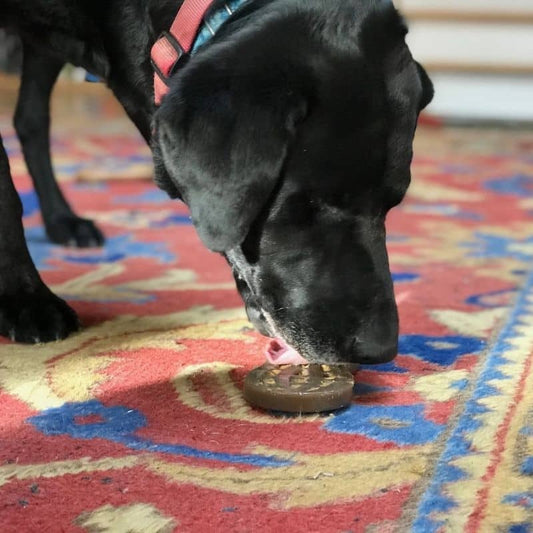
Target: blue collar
214 20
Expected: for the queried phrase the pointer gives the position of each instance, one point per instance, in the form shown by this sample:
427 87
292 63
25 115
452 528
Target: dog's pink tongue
279 353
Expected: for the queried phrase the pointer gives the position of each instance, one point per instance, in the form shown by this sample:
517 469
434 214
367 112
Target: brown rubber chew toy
310 388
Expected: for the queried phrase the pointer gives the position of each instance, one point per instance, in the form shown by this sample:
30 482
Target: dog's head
290 138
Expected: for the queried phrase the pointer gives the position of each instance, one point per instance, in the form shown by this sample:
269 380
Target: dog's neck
132 80
195 24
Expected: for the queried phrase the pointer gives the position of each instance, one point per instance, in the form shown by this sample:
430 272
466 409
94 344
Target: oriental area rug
137 423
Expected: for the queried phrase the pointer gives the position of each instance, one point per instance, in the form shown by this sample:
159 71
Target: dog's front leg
29 311
32 122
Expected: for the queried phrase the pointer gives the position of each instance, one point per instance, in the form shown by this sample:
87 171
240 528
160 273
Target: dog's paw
71 230
37 316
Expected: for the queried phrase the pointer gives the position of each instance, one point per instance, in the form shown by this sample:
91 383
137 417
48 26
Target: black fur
289 136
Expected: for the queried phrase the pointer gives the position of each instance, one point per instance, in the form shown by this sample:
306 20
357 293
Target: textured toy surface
138 422
307 388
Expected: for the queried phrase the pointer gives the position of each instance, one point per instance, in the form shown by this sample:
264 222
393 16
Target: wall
479 54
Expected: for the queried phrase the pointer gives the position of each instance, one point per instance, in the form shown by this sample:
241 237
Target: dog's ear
427 86
224 134
161 177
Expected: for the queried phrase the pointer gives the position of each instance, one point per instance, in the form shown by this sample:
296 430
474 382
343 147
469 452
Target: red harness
175 44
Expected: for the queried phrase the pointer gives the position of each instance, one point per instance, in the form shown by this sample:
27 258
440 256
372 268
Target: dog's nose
372 352
375 340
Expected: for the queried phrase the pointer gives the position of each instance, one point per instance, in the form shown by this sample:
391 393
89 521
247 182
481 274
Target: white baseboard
471 43
482 97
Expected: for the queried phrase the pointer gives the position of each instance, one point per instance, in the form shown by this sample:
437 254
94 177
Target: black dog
289 136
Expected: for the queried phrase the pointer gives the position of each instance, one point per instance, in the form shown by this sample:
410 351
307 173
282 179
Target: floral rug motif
137 423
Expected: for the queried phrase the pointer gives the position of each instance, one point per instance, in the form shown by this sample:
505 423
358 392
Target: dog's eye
300 209
338 200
